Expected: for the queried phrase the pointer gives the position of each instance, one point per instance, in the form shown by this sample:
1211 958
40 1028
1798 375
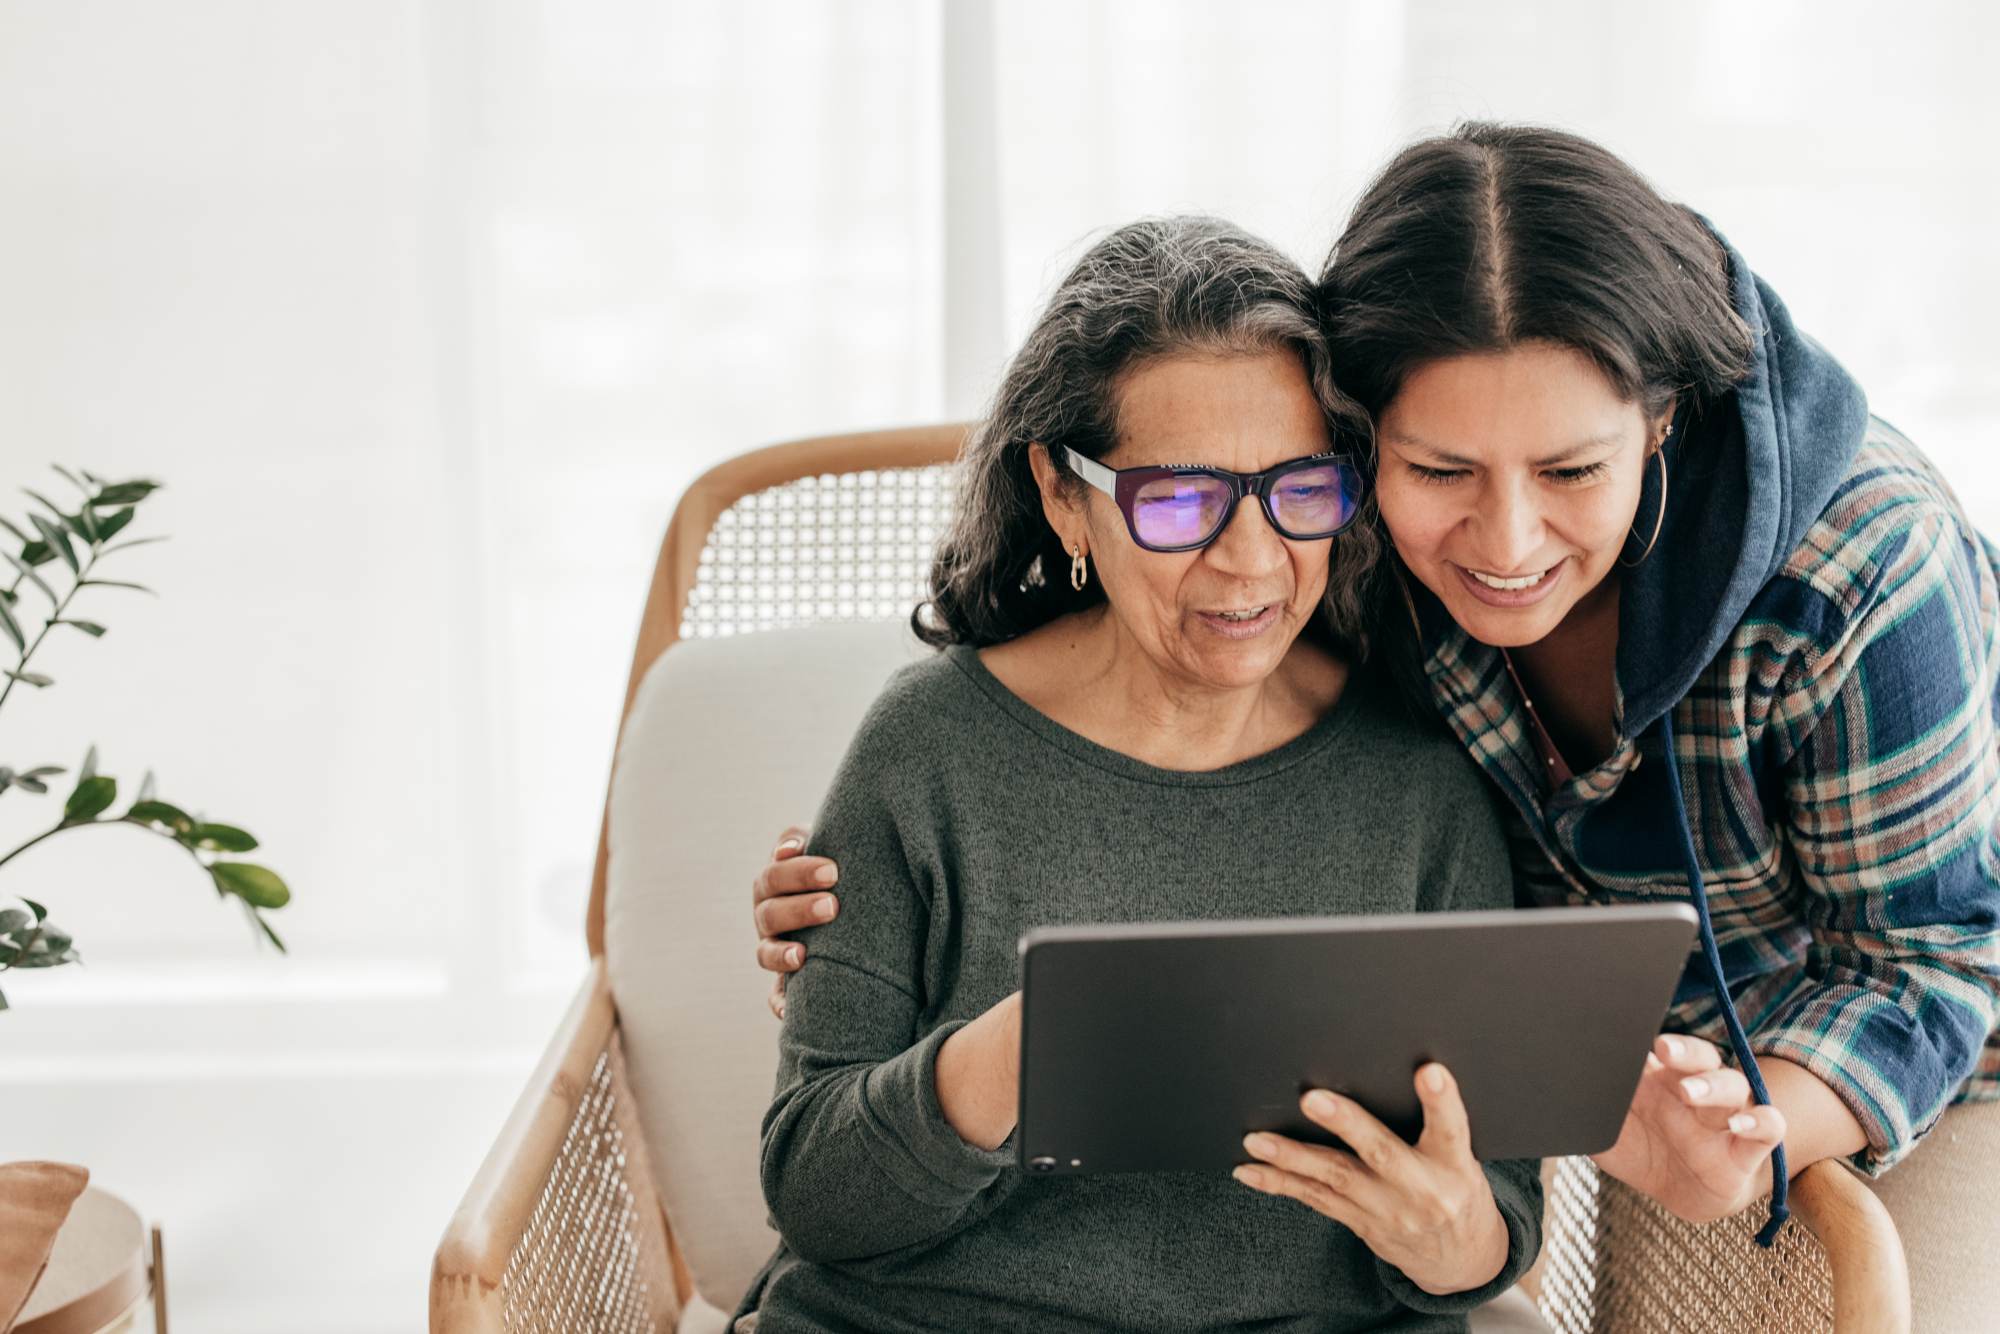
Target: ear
1661 429
1058 506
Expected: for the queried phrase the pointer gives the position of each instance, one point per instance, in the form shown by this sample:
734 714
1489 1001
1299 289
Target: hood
1745 480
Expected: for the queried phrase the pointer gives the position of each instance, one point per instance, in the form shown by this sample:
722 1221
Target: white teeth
1509 585
1250 615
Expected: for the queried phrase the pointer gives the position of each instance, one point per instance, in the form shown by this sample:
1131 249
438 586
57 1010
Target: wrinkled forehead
1244 412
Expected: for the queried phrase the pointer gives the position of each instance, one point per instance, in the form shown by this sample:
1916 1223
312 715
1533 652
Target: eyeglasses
1184 509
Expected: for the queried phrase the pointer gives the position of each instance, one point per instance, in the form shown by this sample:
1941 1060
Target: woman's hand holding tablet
1425 1208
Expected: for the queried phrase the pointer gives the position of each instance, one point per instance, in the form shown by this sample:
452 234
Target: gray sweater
960 818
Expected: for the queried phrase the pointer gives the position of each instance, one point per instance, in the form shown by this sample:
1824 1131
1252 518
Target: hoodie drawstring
1738 1042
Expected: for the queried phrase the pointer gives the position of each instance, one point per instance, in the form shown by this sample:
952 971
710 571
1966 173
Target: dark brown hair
1497 235
1159 288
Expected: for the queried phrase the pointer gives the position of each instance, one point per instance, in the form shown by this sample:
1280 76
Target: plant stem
48 625
46 833
89 824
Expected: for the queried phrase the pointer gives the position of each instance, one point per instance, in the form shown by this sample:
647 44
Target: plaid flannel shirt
1841 775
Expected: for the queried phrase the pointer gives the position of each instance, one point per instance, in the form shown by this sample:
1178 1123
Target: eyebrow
1554 460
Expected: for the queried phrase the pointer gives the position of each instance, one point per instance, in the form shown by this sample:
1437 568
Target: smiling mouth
1510 585
1247 614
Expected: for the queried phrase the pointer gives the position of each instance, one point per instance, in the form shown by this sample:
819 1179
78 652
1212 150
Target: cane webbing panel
1569 1246
1620 1264
594 1255
856 547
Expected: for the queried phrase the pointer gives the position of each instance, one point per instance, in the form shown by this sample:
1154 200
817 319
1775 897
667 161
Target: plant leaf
70 477
29 571
223 838
91 628
8 524
56 539
12 920
41 913
135 542
146 787
12 629
148 811
108 525
125 493
257 886
32 678
37 553
269 934
86 523
92 797
112 583
48 948
72 522
89 769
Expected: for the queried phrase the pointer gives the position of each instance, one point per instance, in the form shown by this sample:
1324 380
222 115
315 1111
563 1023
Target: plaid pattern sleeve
1891 784
1841 771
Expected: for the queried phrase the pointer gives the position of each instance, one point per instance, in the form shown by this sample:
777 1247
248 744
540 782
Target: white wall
426 310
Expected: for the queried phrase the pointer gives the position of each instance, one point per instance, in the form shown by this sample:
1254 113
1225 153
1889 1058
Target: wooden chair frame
577 1102
478 1259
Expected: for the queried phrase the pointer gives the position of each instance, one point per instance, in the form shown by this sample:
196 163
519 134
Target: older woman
1142 710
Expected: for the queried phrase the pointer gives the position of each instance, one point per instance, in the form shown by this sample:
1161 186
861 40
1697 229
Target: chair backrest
729 740
820 547
751 504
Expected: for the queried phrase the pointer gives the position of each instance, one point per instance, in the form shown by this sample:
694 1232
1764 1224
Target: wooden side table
103 1267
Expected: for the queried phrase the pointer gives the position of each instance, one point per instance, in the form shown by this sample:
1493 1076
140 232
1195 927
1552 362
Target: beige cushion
729 741
1945 1198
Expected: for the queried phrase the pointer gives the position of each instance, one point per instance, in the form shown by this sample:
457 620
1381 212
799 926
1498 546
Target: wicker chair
622 1192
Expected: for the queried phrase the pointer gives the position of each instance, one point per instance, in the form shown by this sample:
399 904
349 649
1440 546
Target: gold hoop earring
1079 571
1661 517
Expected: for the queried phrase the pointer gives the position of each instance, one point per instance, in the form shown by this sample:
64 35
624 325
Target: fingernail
826 875
792 844
1263 1146
1249 1176
1653 1062
824 909
1319 1100
1696 1086
1742 1122
792 956
1674 1048
1434 1079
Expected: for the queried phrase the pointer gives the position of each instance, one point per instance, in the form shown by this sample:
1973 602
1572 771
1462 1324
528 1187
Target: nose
1249 548
1506 525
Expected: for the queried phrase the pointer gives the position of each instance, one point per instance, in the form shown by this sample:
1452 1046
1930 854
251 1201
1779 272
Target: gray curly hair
1158 288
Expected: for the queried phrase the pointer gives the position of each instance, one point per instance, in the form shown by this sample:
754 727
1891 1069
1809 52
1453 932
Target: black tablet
1157 1047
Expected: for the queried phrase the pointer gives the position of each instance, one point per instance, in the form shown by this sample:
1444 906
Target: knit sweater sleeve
858 1159
1465 869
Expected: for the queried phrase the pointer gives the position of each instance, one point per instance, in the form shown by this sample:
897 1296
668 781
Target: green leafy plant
59 556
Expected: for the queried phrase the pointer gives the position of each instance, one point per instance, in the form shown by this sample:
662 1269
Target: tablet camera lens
1041 1164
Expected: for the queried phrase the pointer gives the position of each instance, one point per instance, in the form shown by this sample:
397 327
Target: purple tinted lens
1312 502
1177 511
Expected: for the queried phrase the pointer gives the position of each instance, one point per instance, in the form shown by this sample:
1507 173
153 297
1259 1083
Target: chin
1501 628
1236 671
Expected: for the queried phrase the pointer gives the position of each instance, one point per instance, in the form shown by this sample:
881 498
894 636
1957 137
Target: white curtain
427 310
